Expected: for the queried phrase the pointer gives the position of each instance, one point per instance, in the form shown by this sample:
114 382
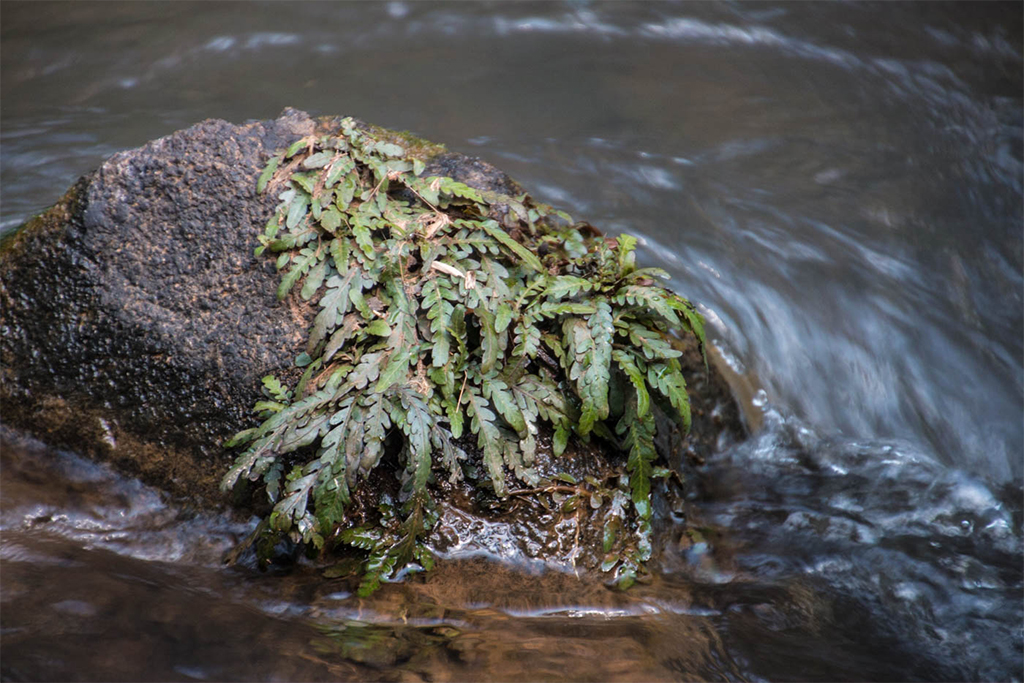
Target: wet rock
136 324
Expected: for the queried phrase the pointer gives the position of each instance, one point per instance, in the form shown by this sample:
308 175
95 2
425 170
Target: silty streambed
839 186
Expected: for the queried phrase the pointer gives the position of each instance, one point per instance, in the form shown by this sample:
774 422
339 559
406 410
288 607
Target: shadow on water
840 186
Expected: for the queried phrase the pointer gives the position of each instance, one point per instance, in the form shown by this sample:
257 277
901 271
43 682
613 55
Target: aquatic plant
449 315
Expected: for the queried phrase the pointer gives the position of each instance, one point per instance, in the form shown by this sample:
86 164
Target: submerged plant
448 314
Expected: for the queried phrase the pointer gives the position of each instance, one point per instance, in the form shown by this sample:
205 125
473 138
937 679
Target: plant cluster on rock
446 317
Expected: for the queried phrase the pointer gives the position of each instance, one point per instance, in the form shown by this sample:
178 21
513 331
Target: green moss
453 325
415 147
50 221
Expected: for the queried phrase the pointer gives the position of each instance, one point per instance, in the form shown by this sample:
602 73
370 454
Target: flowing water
838 185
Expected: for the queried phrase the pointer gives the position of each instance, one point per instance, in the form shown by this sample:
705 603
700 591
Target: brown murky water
840 186
88 556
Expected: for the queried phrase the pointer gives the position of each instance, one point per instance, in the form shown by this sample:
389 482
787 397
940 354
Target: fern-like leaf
648 298
640 442
525 255
489 438
415 424
376 422
669 381
300 266
589 345
652 343
334 304
437 299
634 370
566 286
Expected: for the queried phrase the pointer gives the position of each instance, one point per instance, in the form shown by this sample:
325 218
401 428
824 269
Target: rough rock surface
136 322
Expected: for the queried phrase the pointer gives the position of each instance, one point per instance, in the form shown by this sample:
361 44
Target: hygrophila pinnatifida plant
447 313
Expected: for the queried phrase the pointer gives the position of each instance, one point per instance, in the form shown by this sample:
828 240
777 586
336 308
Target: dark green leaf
318 160
267 174
296 147
494 230
297 210
397 368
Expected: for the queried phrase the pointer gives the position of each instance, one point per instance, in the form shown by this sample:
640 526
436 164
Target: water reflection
802 558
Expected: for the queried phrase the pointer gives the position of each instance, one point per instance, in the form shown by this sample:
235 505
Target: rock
136 322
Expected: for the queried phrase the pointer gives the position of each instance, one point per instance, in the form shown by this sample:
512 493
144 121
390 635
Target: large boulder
136 322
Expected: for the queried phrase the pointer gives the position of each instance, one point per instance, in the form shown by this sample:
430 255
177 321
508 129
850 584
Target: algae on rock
449 315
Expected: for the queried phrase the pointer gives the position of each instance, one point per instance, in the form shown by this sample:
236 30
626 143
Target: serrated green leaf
652 343
397 367
244 436
416 428
364 238
589 343
297 210
318 160
389 149
552 309
300 266
502 317
437 296
492 228
640 441
489 341
305 181
627 258
361 537
341 167
669 381
566 285
376 423
296 147
267 174
560 440
501 397
334 305
331 219
482 423
650 299
636 377
273 406
314 279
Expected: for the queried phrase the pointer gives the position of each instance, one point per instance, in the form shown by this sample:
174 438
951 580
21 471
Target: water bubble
760 399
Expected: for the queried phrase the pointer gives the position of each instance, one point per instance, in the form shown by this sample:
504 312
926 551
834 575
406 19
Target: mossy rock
138 323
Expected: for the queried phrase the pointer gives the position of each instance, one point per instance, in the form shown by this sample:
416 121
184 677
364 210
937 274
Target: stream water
840 186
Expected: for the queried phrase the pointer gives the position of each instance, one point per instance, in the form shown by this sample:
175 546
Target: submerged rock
136 325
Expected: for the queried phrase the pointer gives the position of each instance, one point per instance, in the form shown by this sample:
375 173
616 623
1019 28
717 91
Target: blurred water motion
839 185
